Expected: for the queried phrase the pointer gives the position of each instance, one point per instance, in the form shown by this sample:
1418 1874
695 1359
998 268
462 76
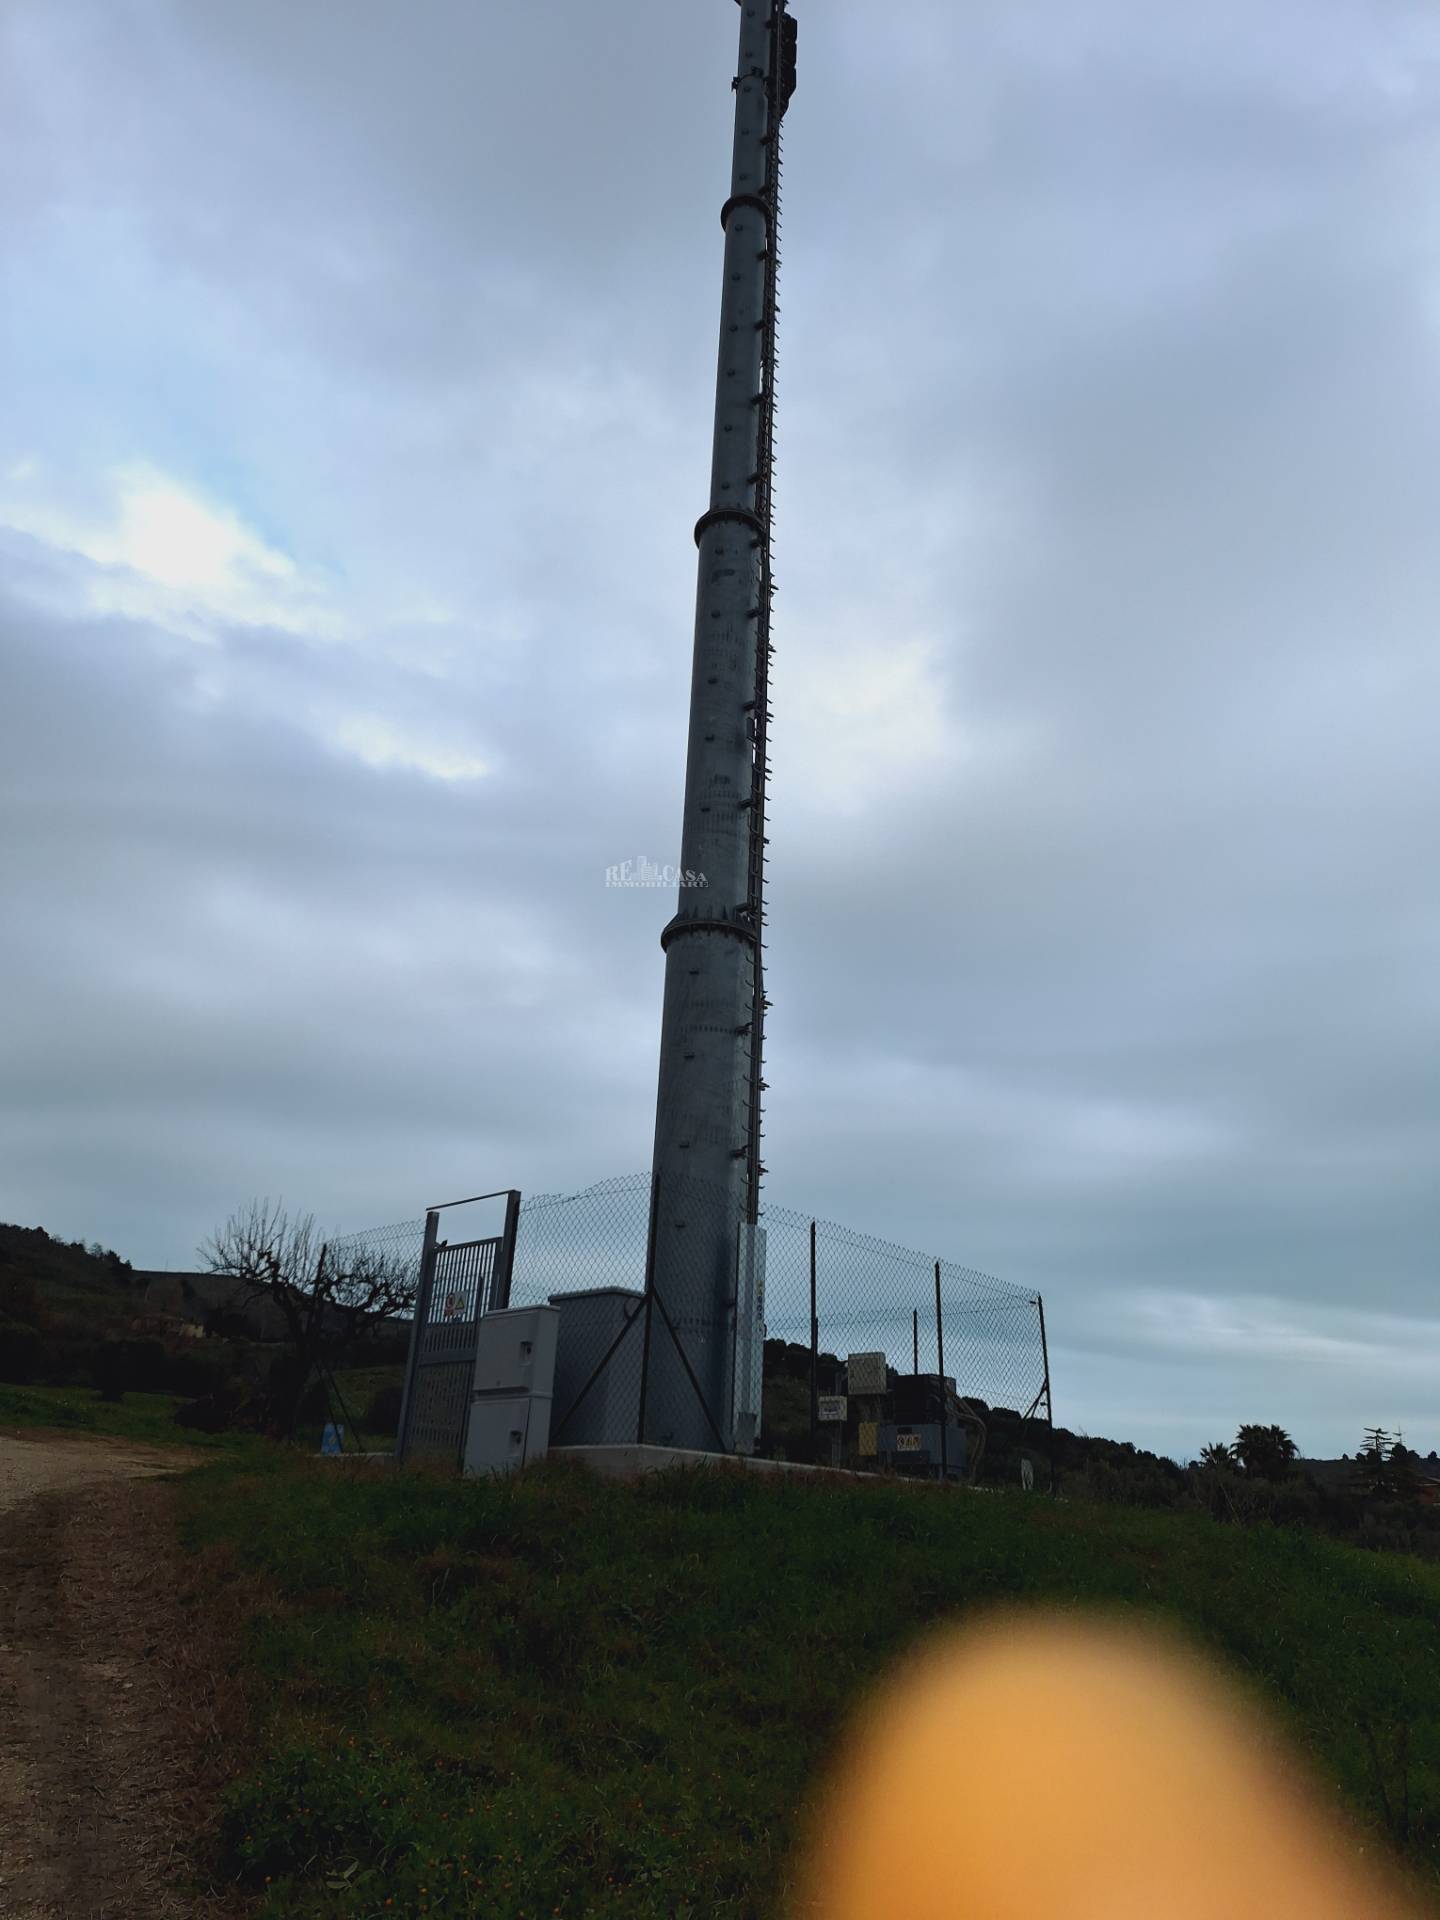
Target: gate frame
504 1243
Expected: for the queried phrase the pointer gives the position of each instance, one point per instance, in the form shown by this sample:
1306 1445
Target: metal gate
457 1284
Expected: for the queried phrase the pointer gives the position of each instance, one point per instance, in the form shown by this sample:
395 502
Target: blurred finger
1042 1767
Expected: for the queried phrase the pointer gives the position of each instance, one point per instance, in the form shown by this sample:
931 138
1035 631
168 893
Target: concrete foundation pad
629 1462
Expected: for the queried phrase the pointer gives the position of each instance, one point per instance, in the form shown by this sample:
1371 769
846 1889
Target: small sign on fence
869 1439
908 1443
332 1440
832 1406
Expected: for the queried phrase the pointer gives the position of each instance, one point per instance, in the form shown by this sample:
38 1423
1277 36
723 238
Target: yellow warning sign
869 1439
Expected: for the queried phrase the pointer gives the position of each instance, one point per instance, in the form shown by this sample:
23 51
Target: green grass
359 1384
150 1417
564 1695
139 1416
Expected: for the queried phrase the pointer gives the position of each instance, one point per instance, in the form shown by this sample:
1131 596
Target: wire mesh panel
569 1242
866 1290
435 1419
992 1333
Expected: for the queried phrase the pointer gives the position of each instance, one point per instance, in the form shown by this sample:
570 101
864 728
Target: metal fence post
649 1304
915 1336
500 1285
417 1331
814 1356
944 1409
1049 1410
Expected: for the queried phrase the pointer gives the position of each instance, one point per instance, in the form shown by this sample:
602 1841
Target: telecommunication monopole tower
707 1164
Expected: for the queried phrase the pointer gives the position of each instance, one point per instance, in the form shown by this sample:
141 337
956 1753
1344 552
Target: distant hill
73 1315
45 1278
38 1272
64 1260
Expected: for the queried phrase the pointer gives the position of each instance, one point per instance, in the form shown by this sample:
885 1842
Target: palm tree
1217 1454
1265 1452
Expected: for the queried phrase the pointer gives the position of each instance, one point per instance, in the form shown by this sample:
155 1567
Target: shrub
315 1402
110 1371
194 1371
207 1415
233 1403
22 1353
141 1364
69 1360
19 1300
227 1323
383 1413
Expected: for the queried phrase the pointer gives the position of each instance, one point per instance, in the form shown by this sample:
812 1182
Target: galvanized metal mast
708 1109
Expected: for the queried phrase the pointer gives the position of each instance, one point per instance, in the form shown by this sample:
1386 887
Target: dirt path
103 1698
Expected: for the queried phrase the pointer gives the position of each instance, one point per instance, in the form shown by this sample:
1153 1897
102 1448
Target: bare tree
323 1303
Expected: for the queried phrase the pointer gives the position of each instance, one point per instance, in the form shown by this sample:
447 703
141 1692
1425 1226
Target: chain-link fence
396 1247
647 1346
806 1341
950 1364
881 1357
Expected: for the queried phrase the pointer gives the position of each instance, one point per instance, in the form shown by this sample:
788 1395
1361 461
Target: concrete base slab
629 1462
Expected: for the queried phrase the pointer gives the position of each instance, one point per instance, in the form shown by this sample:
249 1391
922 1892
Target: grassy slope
562 1696
150 1416
143 1416
139 1416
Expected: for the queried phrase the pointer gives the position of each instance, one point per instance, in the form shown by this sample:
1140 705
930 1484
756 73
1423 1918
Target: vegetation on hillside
56 1298
1384 1499
556 1694
74 1317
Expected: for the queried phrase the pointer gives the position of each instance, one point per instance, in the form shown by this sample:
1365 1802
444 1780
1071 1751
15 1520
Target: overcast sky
358 364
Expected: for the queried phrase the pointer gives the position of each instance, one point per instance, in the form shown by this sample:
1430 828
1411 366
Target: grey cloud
1108 375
